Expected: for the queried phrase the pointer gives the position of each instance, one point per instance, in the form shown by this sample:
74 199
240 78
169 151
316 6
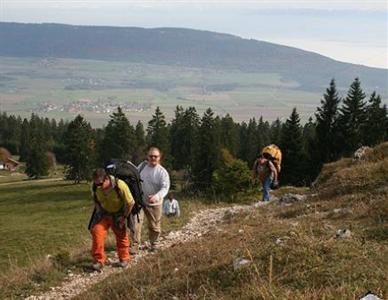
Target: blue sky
346 30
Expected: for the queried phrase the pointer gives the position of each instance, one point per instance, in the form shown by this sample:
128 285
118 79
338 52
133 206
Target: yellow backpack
275 155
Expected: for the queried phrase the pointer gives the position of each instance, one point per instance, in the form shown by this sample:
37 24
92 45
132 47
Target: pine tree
10 130
250 141
264 132
158 135
37 162
327 135
140 147
311 151
275 132
119 138
25 140
352 118
375 129
206 151
294 158
229 135
157 132
80 149
183 132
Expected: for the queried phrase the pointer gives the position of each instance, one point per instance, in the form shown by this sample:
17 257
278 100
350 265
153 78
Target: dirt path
201 223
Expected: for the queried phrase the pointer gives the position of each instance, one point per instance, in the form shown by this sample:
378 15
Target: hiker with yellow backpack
267 168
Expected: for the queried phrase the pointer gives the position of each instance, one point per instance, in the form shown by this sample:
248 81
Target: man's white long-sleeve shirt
155 181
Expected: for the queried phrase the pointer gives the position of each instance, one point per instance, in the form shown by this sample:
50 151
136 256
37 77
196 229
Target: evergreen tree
25 140
206 151
327 135
158 135
275 132
119 138
140 143
352 118
264 132
10 130
250 141
311 151
80 149
294 158
37 162
375 129
183 132
229 135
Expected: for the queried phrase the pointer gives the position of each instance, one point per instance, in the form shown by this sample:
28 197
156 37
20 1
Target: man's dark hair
99 173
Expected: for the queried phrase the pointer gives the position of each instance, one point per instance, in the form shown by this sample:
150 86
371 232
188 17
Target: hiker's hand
275 184
153 198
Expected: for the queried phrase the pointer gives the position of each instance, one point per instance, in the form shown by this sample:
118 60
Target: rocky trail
201 223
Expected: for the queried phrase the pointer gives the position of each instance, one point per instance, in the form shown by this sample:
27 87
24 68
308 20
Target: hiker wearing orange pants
113 204
99 233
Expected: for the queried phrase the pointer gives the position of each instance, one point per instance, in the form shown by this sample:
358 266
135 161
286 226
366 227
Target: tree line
213 151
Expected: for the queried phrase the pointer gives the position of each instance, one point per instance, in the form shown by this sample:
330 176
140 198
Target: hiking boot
123 264
134 250
97 266
154 247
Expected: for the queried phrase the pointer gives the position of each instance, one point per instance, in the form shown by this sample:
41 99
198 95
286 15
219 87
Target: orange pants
99 232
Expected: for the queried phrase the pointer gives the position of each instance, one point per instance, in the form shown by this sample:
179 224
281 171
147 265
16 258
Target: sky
347 30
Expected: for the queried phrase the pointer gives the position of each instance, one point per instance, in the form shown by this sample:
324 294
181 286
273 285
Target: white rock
370 296
343 233
238 263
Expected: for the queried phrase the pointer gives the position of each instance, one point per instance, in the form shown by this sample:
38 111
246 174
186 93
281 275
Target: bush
232 177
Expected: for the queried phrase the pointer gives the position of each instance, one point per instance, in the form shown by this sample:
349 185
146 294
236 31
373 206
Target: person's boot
134 249
97 266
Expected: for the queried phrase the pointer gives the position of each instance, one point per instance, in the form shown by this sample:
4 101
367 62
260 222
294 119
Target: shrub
232 177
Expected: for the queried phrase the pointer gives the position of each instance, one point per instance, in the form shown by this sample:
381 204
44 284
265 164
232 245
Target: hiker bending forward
265 170
155 185
113 204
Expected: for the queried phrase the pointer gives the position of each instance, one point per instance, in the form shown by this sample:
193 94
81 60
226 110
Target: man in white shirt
171 206
155 185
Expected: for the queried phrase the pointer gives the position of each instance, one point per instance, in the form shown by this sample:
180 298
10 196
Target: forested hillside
182 47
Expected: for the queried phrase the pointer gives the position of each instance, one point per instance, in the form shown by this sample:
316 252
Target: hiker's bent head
100 178
154 156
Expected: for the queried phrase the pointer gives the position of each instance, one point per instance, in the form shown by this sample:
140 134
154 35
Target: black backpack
127 172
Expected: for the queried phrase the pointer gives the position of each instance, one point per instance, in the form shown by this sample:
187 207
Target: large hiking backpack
274 154
127 172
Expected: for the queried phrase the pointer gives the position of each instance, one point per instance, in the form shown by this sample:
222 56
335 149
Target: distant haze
349 31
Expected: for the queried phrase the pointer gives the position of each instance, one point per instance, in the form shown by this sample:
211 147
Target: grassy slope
41 218
293 250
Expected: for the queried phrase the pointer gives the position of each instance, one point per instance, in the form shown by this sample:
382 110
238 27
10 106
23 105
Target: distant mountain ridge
183 47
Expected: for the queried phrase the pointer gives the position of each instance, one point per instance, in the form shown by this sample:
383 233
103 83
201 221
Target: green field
41 218
31 85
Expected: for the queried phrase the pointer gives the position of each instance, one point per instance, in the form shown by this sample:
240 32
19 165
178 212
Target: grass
42 219
293 251
38 219
308 263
